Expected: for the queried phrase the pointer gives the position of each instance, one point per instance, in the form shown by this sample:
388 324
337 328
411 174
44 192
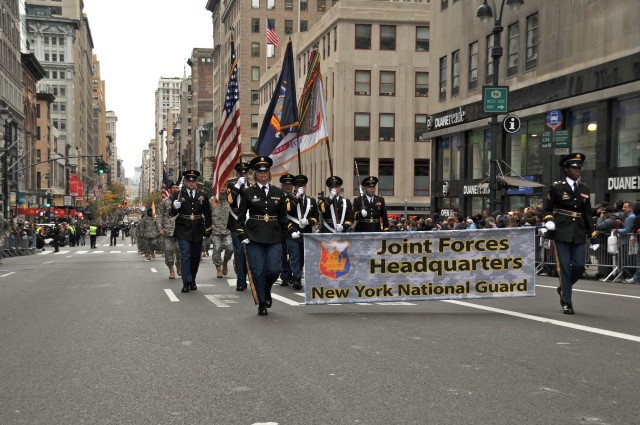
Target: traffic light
96 166
49 200
101 167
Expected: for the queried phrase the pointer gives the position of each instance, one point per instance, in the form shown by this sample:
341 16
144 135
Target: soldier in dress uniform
286 184
262 219
302 212
193 222
567 215
370 209
168 225
233 198
337 216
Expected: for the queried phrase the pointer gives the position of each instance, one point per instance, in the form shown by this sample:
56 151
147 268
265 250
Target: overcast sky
137 42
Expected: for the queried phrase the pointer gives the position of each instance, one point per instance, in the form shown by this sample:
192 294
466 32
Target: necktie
191 194
575 187
266 190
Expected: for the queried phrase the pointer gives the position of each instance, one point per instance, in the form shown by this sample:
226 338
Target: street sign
511 124
554 120
67 201
562 140
495 99
547 140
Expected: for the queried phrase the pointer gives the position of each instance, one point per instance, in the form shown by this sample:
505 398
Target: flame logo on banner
334 259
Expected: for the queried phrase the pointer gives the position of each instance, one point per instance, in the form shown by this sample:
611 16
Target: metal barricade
627 256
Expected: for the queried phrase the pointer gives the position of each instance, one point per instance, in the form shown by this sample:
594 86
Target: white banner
419 266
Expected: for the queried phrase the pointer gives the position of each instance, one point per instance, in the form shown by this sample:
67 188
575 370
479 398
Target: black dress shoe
567 309
297 285
262 309
267 300
285 282
185 288
239 288
193 286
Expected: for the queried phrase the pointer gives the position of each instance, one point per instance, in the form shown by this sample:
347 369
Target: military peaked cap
334 181
574 159
370 181
261 163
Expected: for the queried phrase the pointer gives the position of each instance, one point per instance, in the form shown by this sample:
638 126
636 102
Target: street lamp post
7 117
485 13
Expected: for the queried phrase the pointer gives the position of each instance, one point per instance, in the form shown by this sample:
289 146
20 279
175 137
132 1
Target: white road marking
217 301
48 262
593 292
97 252
153 270
171 296
285 300
231 282
81 252
61 252
549 321
7 274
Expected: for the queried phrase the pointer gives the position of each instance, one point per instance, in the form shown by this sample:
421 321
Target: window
422 84
362 131
387 37
421 177
455 73
46 56
531 61
288 4
288 26
363 83
479 147
255 50
443 78
54 107
63 107
512 58
387 83
62 75
385 177
255 4
271 4
489 70
61 55
626 126
420 128
304 26
254 120
422 39
364 170
583 140
255 25
387 129
444 4
255 73
304 5
473 65
363 37
255 97
322 5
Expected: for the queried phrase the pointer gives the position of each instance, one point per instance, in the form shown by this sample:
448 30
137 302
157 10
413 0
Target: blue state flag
281 119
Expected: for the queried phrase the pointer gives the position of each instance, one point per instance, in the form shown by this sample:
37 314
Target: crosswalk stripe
171 296
285 300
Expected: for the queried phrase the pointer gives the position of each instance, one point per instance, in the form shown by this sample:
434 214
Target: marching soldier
567 215
221 244
262 219
336 211
193 222
302 212
370 209
168 225
286 184
233 198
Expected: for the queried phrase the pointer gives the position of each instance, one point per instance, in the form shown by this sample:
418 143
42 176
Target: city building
571 69
375 65
201 106
167 110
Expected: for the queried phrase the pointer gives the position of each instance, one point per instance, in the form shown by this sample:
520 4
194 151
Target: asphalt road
93 337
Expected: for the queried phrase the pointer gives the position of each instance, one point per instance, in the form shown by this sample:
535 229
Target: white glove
550 225
595 246
304 222
542 231
246 241
177 204
364 213
333 194
295 235
339 228
240 182
300 192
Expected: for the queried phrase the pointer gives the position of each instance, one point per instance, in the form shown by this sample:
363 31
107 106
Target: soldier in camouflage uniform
168 225
220 235
149 230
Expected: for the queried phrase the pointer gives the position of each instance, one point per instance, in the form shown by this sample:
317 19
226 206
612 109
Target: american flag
272 37
228 140
166 186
